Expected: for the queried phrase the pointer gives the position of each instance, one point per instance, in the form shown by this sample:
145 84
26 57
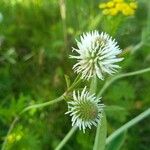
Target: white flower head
97 54
85 109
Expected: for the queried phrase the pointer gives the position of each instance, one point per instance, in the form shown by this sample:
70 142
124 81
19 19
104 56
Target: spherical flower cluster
97 55
113 7
85 109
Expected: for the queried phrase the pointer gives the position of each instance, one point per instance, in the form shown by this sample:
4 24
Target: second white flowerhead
85 109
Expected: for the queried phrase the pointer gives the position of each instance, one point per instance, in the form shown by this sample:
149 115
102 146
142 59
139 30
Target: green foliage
117 142
21 136
34 58
86 142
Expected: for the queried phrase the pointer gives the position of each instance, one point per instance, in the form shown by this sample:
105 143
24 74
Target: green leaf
116 143
101 133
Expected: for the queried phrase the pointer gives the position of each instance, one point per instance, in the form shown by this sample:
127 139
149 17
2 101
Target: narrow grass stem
62 5
129 124
66 138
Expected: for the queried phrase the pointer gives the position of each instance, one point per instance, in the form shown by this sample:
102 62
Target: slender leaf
101 133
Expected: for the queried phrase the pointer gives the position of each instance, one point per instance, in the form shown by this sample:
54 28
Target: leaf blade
101 134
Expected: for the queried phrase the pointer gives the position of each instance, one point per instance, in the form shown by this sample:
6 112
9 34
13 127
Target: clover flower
97 55
85 109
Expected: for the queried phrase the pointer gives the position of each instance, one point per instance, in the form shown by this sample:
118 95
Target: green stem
62 5
137 47
66 138
109 82
128 125
76 82
43 104
9 131
93 85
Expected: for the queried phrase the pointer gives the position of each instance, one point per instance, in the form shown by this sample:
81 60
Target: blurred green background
36 38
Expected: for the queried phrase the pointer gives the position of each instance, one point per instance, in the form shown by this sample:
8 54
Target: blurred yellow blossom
103 5
110 4
133 5
118 1
11 138
114 7
113 11
14 137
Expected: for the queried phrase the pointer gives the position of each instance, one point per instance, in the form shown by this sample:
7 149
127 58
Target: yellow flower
127 11
118 1
113 11
14 137
110 4
133 5
113 7
11 138
103 5
119 7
